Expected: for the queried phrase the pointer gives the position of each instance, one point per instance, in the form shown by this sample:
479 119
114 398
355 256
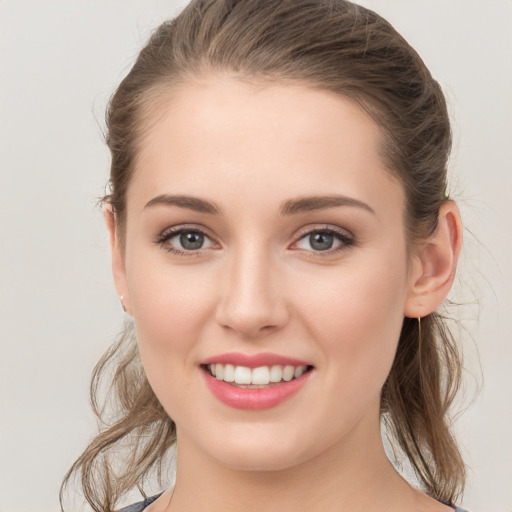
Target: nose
252 302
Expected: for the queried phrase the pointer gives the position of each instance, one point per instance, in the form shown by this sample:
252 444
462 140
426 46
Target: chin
271 453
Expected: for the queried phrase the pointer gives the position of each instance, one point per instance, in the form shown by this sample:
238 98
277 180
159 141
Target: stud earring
122 303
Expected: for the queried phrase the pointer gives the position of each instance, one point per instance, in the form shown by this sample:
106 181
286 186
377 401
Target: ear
434 265
118 268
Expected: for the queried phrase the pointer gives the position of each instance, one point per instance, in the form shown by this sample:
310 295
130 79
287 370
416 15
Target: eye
318 241
184 240
324 240
189 240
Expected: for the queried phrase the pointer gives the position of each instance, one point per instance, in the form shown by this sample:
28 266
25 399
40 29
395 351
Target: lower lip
254 398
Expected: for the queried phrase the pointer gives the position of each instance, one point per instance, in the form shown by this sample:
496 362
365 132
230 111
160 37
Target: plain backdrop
60 61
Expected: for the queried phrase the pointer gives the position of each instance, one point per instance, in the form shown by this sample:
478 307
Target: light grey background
60 61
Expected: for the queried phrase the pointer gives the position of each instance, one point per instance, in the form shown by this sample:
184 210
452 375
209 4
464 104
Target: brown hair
332 45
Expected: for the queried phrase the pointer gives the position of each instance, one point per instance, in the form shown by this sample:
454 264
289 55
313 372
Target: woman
282 238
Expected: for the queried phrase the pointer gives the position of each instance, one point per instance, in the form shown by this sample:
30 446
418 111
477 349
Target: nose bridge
252 301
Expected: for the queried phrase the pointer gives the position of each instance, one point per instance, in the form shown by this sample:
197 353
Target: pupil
321 241
191 241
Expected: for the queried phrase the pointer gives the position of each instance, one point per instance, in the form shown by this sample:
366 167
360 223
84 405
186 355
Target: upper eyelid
172 231
323 228
300 232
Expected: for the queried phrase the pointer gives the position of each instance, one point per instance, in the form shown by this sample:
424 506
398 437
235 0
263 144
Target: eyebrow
188 202
310 204
291 207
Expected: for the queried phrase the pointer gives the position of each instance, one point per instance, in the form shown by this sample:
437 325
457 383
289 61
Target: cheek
356 317
170 306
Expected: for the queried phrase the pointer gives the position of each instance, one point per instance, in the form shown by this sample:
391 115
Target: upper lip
254 360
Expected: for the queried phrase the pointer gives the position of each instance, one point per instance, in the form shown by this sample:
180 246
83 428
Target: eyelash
170 233
346 240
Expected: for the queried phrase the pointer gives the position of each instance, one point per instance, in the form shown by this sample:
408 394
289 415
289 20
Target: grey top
139 507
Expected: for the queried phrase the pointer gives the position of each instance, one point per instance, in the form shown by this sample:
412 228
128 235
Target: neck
354 474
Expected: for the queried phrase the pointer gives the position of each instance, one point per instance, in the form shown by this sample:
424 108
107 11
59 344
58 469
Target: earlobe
435 264
118 267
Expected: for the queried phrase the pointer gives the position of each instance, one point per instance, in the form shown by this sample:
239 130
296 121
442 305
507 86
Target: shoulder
141 505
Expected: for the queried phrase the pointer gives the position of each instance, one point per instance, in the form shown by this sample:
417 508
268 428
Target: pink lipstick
254 360
254 382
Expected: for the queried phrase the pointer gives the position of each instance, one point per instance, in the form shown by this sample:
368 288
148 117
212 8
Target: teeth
299 371
276 373
261 376
229 373
242 374
288 373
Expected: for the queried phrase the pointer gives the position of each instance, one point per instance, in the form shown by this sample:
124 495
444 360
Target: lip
254 360
254 398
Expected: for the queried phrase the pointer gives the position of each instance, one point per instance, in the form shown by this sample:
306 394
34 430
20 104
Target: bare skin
257 284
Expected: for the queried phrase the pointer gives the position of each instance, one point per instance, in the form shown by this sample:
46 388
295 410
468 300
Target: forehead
257 143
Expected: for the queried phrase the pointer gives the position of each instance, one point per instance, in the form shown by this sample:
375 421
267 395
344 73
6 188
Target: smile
254 382
254 378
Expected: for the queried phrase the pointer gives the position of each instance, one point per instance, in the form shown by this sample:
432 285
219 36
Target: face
263 231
